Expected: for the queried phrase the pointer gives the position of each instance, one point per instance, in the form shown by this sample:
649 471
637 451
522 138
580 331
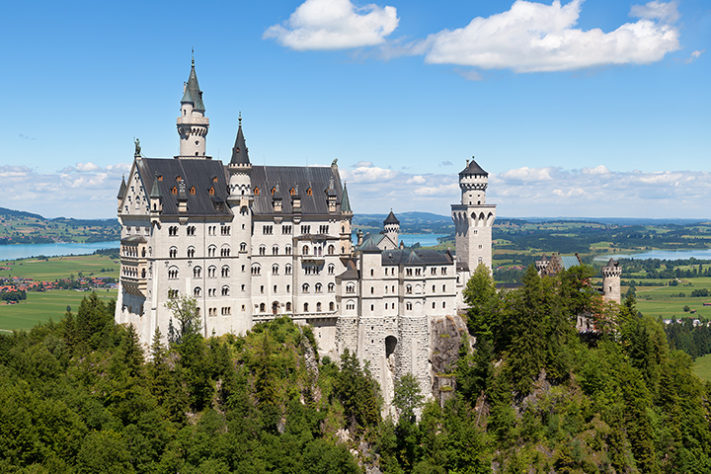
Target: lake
700 254
425 240
14 252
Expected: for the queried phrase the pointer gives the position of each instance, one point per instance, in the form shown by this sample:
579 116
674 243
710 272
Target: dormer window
292 192
174 190
309 192
273 190
160 177
211 191
256 191
214 179
192 190
178 179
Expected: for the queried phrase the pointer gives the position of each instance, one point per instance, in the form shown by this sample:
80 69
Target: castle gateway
250 243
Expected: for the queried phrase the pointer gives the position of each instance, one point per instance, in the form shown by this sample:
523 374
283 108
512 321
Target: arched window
331 306
318 287
211 250
408 289
173 273
143 274
173 252
331 268
350 304
305 250
331 287
275 250
225 290
350 288
331 249
305 288
225 251
287 250
196 272
287 269
275 269
243 247
306 307
197 292
408 306
318 307
288 306
262 250
256 269
225 271
211 271
262 307
191 252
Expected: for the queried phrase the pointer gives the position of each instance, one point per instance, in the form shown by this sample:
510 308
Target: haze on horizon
575 108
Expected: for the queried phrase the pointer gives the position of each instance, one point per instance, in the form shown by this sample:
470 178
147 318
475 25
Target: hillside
533 396
19 227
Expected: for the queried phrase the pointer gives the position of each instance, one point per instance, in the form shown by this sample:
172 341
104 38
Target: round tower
611 274
239 198
192 123
391 228
473 219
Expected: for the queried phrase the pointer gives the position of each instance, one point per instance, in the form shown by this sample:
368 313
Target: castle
250 243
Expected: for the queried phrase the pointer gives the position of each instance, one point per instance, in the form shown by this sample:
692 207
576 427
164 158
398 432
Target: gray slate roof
416 257
473 168
301 178
192 93
391 219
203 174
240 153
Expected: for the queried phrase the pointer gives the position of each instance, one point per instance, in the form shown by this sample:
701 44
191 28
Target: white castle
252 243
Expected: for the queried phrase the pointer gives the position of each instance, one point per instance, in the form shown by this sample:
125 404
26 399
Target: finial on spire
192 57
240 118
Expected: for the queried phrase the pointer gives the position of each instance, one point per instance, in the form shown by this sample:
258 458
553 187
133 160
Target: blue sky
597 108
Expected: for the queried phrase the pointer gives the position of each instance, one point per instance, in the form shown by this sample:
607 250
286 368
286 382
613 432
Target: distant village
14 289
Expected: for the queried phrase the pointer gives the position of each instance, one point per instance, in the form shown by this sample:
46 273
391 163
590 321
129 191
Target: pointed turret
122 189
193 94
345 202
391 219
240 153
192 123
155 190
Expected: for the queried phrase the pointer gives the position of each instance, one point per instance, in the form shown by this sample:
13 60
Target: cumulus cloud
334 24
594 191
533 37
65 192
366 172
695 55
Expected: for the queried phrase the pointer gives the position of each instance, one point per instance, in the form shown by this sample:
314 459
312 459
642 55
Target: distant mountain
20 227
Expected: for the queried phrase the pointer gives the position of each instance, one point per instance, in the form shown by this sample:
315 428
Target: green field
658 301
43 306
702 368
61 267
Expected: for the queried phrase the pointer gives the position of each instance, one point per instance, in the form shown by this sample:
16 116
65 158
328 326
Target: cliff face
447 335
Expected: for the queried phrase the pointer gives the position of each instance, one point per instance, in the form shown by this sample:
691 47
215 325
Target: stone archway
275 307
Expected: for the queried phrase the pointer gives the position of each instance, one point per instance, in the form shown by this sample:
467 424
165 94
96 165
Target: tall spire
240 153
345 202
193 94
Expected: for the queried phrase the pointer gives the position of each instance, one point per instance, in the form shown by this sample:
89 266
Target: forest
531 394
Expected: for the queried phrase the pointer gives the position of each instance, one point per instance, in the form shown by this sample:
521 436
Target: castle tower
240 199
473 219
611 274
391 228
192 123
347 212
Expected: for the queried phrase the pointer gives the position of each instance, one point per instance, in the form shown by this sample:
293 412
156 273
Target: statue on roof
137 152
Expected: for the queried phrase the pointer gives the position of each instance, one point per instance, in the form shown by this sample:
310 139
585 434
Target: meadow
54 268
666 302
702 367
40 307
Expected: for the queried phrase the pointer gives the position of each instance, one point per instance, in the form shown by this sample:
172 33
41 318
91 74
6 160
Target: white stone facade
251 243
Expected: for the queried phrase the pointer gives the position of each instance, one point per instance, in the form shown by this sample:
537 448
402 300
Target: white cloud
527 174
695 55
417 179
65 192
664 11
599 169
334 24
534 36
366 172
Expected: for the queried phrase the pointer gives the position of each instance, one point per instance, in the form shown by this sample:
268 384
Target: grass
61 267
43 306
658 300
702 367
